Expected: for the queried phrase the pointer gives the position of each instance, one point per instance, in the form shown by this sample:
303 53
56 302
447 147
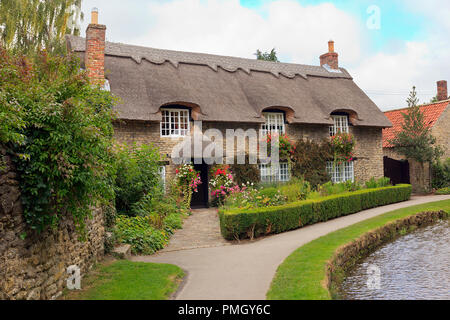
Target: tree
267 56
31 25
415 141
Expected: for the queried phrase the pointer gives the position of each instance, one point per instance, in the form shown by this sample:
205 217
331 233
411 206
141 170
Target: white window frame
172 118
340 125
274 123
341 172
275 173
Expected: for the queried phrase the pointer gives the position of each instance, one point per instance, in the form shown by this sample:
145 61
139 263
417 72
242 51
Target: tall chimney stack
94 58
330 58
442 93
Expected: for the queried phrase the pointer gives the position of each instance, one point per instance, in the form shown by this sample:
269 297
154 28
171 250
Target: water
413 267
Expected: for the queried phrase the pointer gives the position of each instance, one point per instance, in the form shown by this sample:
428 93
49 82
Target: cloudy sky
388 46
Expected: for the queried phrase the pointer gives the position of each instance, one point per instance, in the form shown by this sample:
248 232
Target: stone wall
347 256
34 267
441 130
368 150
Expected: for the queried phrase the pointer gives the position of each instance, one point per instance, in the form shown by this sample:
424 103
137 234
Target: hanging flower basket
286 146
342 145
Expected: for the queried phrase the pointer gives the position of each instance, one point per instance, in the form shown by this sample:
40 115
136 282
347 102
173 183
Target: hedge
249 223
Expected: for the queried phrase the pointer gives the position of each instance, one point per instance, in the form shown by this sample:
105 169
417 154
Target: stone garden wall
34 266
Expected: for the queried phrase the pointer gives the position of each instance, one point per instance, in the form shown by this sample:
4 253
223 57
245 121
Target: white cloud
225 27
299 33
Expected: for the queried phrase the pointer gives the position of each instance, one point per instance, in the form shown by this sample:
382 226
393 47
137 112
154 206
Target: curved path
245 271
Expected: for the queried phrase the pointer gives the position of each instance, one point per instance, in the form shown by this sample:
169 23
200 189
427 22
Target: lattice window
175 123
275 173
341 172
274 123
340 125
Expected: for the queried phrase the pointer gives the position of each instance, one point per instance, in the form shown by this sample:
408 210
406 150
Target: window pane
175 122
274 123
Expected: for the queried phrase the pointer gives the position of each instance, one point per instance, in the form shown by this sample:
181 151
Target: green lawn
126 280
302 274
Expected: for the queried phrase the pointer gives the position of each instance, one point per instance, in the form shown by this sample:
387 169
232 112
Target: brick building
163 92
437 116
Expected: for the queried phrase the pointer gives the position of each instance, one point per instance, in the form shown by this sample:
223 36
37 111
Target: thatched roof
228 89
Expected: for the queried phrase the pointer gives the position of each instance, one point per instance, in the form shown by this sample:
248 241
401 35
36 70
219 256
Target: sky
388 46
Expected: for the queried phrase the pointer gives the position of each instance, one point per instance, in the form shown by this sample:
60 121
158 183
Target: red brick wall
95 53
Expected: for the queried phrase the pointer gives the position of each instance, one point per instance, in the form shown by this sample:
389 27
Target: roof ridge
228 63
421 105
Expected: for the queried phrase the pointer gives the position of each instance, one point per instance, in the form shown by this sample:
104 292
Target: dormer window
175 122
340 124
274 123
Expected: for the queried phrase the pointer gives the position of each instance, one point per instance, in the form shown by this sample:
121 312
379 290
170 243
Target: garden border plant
303 274
250 223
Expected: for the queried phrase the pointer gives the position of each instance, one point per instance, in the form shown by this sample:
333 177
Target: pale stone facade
368 150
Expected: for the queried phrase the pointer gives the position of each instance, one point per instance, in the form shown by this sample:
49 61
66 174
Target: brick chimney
442 93
94 58
330 58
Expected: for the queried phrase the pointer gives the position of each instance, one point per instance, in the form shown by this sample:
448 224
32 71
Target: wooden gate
396 170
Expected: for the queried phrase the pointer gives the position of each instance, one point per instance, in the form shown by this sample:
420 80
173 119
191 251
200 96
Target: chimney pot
94 16
331 46
330 58
442 93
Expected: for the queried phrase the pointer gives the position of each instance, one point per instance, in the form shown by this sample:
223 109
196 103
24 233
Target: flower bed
254 222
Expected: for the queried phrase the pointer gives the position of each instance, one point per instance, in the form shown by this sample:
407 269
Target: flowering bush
342 145
247 196
286 146
189 180
221 184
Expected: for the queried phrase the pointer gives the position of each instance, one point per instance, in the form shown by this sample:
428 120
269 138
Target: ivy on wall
59 130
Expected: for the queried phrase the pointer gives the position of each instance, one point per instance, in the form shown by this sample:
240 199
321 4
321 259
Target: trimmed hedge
248 223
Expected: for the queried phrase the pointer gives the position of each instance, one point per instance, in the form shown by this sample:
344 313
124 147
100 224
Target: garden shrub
58 126
378 183
329 188
137 176
187 180
244 174
441 174
443 191
253 222
309 161
138 232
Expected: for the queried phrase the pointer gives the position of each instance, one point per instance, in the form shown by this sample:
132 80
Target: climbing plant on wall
59 130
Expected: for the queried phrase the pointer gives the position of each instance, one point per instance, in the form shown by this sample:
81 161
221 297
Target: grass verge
126 280
301 276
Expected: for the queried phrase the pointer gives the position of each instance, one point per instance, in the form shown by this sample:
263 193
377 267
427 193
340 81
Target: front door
200 198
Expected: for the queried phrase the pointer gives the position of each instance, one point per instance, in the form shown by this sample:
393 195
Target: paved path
200 230
245 271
